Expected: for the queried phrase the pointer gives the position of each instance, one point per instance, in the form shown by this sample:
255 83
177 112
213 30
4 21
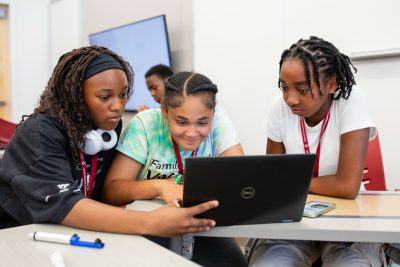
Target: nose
191 131
117 105
291 97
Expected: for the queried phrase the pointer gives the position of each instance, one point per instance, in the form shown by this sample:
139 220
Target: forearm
91 215
121 192
334 186
165 221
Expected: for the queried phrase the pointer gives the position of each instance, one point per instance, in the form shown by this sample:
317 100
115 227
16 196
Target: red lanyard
305 140
88 185
178 156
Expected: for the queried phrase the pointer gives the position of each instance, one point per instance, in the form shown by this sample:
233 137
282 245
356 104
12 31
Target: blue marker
65 239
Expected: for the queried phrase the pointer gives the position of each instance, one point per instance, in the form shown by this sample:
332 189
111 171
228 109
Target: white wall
238 44
65 27
30 56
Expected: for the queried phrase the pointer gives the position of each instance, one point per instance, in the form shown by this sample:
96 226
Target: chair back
374 175
7 130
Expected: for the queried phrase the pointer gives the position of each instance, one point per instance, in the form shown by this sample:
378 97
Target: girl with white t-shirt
321 112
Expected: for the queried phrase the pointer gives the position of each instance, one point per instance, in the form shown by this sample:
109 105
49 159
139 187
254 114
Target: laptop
250 189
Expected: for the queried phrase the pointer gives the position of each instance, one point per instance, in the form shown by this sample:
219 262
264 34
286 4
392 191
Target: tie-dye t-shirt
147 139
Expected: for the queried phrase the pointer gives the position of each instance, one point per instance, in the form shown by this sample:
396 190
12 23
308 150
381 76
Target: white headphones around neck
99 139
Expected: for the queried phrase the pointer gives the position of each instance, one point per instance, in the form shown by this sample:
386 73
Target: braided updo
325 59
183 84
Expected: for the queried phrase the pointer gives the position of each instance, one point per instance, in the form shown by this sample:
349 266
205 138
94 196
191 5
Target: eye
181 122
282 87
123 95
303 91
103 97
202 123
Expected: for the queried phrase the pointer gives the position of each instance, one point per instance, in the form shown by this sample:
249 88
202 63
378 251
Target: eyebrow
109 89
183 118
295 83
300 83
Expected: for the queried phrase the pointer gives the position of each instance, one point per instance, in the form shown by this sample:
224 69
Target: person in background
153 148
320 111
155 78
54 166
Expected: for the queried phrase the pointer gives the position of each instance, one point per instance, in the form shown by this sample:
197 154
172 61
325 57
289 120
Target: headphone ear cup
111 139
93 143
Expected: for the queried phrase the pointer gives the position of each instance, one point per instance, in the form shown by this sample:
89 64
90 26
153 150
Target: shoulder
42 125
149 116
356 99
38 136
355 94
144 124
43 132
352 113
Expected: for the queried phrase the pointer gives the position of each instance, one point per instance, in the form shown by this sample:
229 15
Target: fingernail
213 223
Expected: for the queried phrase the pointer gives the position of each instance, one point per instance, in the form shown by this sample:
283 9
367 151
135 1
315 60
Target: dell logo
248 192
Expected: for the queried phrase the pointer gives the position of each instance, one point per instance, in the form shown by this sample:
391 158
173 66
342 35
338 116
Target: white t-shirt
346 115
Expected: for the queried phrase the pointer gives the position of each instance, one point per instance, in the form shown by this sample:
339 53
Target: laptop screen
250 189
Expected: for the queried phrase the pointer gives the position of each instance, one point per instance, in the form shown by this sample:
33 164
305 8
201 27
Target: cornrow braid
171 86
183 84
63 98
324 59
205 87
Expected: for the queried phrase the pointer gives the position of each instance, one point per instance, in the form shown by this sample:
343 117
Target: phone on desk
314 209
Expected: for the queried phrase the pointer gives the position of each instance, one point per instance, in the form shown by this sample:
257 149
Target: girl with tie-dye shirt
153 147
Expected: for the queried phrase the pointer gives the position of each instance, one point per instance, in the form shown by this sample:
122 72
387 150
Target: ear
332 85
163 109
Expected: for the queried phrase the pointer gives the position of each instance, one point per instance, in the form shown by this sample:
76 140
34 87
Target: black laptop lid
250 189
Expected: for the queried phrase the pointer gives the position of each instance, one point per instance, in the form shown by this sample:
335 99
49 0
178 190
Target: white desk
371 217
368 218
17 249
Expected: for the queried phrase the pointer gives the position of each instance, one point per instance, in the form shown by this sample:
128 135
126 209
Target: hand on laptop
171 193
170 220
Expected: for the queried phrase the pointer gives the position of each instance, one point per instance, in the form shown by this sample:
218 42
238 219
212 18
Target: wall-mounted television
143 44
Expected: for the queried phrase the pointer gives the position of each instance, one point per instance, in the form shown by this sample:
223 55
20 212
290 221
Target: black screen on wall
143 44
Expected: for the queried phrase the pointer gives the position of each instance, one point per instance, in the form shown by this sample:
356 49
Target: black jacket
39 179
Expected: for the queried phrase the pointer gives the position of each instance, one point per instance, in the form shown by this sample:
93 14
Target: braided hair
63 99
325 59
183 84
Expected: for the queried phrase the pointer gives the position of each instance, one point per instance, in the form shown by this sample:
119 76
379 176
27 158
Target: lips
296 111
115 118
190 141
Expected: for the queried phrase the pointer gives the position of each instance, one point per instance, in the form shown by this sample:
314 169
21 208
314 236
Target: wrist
178 179
146 226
